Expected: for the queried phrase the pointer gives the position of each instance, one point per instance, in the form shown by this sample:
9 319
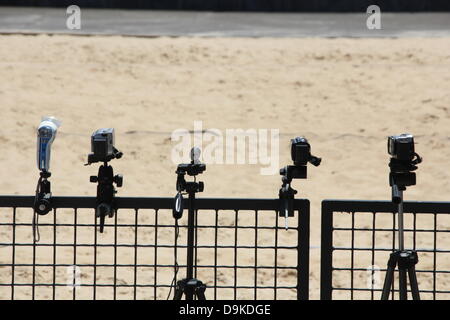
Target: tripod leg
389 276
403 284
200 292
178 292
413 283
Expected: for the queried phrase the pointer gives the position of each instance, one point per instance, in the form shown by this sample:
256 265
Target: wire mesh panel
358 237
242 250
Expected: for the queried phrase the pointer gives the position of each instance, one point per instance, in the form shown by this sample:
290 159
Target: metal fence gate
243 252
358 236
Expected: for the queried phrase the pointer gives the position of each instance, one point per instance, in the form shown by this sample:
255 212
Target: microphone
46 134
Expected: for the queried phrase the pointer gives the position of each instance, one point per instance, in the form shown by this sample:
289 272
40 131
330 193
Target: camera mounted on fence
194 168
103 150
403 162
46 134
301 156
102 147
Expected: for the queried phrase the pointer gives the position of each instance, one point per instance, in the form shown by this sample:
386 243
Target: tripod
404 259
105 192
189 286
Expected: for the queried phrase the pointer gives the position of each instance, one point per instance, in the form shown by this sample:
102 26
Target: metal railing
242 251
358 236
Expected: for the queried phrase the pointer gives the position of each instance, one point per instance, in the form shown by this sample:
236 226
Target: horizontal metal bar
383 270
389 249
378 206
396 290
146 246
388 229
146 226
152 203
146 266
138 286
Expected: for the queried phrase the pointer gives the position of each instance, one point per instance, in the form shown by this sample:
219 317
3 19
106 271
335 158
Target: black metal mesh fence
358 236
243 250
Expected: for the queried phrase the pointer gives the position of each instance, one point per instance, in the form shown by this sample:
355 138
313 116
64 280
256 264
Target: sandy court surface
345 95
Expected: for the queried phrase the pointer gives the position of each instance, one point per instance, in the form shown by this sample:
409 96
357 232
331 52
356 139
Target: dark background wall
248 5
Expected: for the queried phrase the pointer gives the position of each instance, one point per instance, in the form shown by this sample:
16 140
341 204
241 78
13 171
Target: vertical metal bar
275 271
255 268
115 256
196 243
135 251
303 251
434 255
352 256
33 272
74 254
13 258
216 229
54 256
401 240
190 242
326 255
414 230
235 251
155 271
94 295
393 249
373 256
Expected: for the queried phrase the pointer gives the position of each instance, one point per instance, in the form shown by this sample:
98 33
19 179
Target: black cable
35 222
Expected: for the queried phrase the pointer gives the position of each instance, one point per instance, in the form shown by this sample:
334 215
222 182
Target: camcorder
300 155
103 150
46 134
403 162
401 147
102 146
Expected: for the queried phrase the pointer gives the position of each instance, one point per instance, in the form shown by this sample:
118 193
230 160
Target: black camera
301 152
102 146
403 162
301 155
401 147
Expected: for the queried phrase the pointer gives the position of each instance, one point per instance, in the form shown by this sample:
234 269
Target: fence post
326 259
303 251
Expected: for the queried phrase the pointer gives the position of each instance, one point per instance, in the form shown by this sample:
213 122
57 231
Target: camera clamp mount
189 286
401 175
42 201
301 155
105 192
105 181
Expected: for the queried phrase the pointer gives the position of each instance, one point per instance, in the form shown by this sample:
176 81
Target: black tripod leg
200 292
389 277
413 283
403 286
178 293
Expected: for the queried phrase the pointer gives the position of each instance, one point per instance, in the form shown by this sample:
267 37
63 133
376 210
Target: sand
345 95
